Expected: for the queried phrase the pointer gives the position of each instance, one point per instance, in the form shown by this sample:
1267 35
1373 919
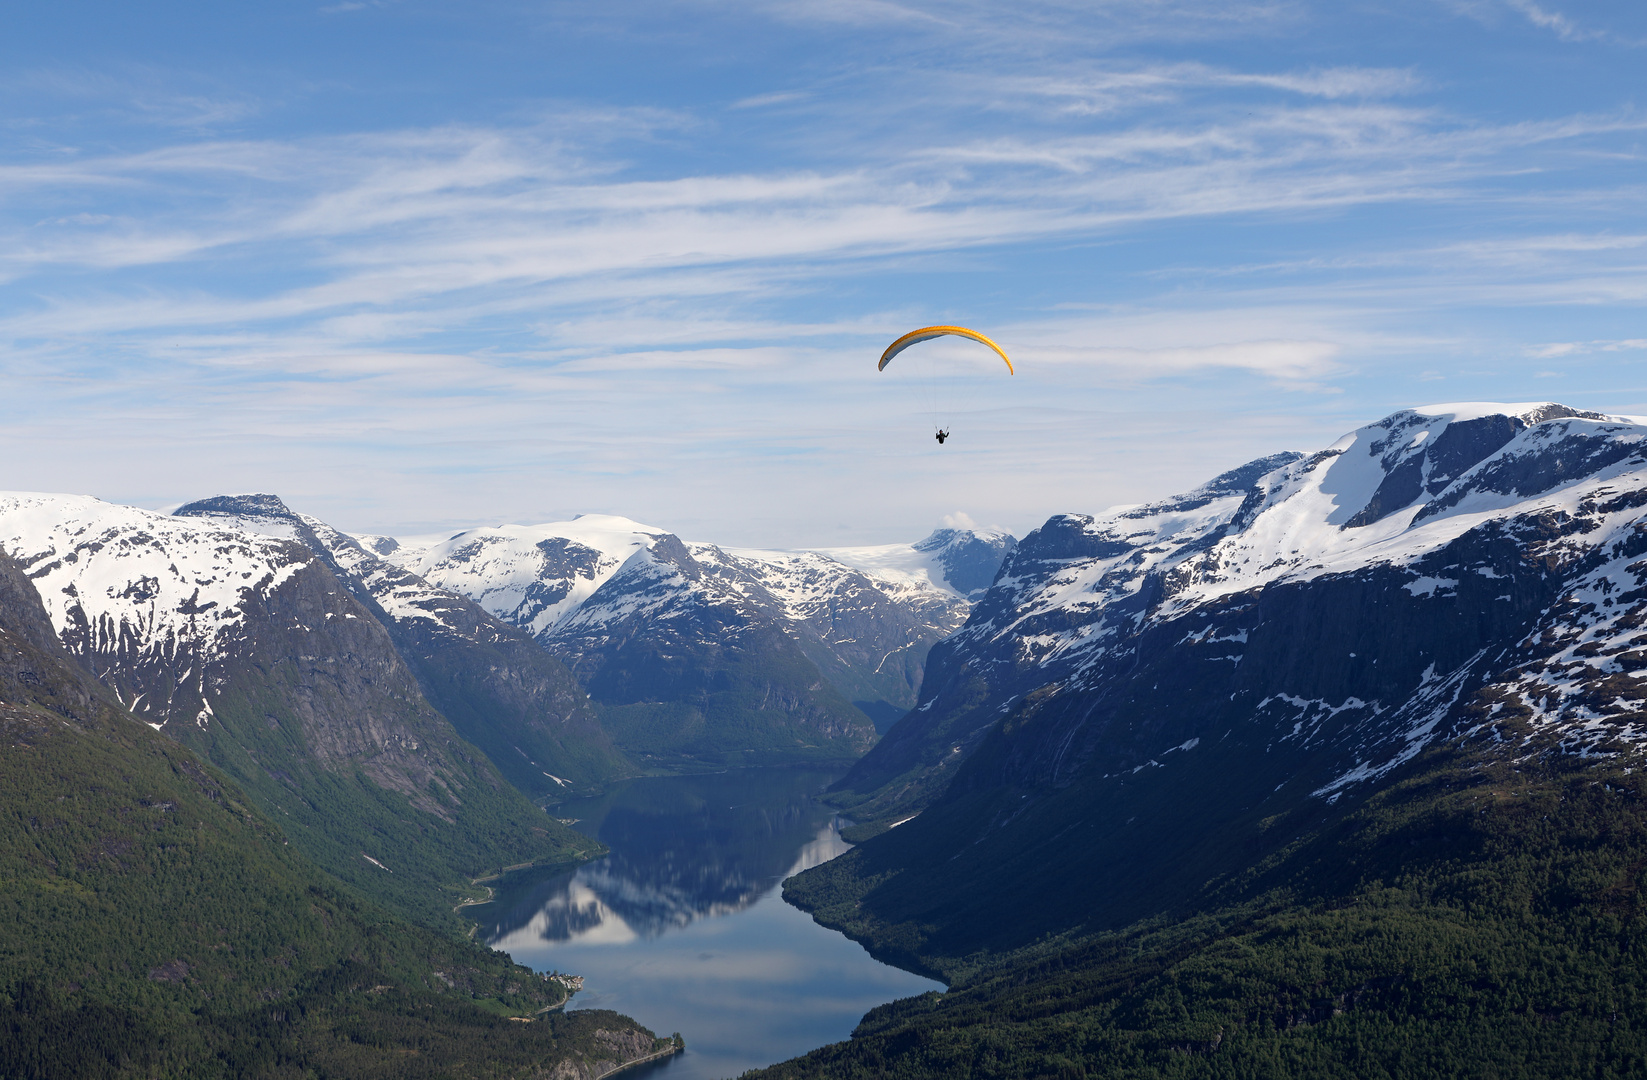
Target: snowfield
147 581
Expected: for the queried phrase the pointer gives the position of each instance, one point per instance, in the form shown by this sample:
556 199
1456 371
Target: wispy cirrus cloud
672 279
1575 348
1547 18
1590 27
468 222
995 28
1122 88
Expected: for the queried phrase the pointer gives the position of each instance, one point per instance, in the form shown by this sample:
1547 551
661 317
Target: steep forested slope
153 923
249 649
1471 919
1336 756
501 692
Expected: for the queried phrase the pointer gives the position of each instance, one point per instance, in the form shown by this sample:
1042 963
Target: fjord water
683 926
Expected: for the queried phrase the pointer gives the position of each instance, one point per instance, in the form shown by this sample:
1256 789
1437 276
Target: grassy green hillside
316 717
152 923
1474 919
427 844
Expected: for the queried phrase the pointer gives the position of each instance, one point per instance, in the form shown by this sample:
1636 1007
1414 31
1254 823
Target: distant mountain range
1228 774
712 653
1331 766
377 694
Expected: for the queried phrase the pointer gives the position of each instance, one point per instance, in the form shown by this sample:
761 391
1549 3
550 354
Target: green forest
1473 919
153 923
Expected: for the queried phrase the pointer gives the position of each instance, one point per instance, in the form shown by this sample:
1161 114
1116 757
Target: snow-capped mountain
691 657
531 576
537 577
245 645
865 616
1451 571
151 602
499 689
1153 705
958 561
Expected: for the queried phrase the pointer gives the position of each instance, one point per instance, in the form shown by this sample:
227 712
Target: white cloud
1575 348
464 223
1122 88
673 313
779 97
1299 364
1552 20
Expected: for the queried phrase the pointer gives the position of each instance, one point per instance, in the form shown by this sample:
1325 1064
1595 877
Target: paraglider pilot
927 333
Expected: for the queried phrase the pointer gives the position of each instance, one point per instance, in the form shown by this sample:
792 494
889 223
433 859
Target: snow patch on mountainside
1382 495
1308 526
809 585
952 561
133 579
532 576
399 593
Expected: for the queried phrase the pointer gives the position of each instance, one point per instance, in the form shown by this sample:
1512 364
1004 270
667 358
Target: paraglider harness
927 333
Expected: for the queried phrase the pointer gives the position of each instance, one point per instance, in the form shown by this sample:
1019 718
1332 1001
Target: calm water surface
683 928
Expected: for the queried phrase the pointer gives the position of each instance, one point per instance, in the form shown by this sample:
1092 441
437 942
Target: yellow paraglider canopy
927 333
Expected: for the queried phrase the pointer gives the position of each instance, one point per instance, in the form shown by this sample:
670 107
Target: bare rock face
172 971
249 649
497 687
1285 638
663 630
606 1043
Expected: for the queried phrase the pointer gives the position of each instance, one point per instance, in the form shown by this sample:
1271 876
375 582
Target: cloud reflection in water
683 849
682 927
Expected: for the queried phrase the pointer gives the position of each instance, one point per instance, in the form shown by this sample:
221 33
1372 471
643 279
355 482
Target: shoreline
678 1048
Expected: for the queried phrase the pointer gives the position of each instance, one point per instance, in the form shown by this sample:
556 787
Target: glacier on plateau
537 577
866 616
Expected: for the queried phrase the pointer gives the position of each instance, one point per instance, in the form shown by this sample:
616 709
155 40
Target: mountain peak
258 505
969 558
1528 412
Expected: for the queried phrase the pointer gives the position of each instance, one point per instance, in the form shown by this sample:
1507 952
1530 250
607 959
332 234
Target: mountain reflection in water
683 928
682 849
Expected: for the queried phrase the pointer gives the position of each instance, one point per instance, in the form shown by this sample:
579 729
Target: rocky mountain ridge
865 616
250 650
500 690
1333 766
1523 516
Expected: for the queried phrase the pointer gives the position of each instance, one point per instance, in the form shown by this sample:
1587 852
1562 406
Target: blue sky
420 265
